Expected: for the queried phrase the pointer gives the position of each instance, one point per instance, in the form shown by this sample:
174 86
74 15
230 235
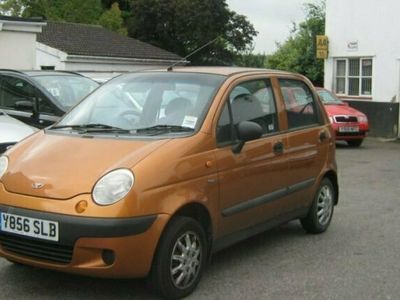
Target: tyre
321 211
180 259
355 143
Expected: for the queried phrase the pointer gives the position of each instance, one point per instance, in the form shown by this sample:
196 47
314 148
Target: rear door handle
278 147
322 136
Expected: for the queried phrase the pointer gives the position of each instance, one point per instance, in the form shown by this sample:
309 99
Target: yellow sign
322 46
322 54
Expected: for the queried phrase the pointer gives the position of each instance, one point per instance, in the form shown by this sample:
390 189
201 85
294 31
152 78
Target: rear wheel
180 259
320 214
355 143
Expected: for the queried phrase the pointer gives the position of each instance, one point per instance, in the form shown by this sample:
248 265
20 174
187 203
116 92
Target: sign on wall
322 46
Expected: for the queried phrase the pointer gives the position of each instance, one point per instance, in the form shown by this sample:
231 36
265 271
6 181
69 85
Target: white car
12 131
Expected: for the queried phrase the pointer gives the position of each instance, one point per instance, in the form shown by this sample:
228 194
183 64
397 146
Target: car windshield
328 98
67 90
146 103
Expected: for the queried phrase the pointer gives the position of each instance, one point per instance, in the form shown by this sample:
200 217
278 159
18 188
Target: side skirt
243 234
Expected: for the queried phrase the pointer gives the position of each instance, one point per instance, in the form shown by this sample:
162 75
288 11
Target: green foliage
298 52
250 60
112 19
12 7
75 11
181 26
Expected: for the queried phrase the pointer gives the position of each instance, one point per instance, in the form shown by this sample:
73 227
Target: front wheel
320 214
180 259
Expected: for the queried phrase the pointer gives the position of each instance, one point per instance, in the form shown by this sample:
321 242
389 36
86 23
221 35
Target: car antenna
171 67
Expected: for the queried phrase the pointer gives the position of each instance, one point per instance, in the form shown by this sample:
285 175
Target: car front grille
36 249
346 119
5 146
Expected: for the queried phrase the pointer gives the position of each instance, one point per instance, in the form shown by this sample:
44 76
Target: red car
350 125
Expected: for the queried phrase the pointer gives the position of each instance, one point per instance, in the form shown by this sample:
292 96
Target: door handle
278 147
322 136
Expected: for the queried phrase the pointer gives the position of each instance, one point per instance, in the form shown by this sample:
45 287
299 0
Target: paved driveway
357 258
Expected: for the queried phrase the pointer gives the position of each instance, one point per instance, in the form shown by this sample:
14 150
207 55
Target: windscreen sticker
189 121
54 91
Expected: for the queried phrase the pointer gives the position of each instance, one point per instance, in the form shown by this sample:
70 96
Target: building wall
372 29
49 57
17 50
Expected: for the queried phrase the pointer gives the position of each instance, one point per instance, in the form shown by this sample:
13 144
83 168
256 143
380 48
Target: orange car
154 171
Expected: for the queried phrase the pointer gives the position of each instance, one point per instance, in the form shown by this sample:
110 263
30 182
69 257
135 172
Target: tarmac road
357 258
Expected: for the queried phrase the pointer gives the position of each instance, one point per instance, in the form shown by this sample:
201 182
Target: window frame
316 105
227 103
347 76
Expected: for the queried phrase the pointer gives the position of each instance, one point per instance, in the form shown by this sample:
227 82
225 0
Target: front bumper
103 247
360 134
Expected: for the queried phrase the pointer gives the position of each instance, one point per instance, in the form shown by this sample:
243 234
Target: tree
12 7
298 52
76 11
182 26
249 59
112 19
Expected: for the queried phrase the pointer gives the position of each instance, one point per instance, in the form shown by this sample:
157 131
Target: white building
90 49
18 42
363 66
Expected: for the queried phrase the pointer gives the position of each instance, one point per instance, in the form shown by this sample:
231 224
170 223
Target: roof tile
94 40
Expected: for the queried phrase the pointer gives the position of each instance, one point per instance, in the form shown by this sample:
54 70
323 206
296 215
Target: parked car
350 125
12 131
154 192
40 98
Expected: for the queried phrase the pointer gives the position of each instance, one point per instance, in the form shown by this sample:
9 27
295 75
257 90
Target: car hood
12 130
334 110
67 166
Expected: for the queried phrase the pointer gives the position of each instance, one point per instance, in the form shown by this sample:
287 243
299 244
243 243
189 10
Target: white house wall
107 67
103 66
373 28
17 50
48 56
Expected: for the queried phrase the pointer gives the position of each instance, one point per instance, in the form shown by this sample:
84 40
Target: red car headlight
362 119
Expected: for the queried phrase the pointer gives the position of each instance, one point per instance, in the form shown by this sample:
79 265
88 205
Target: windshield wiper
164 129
92 128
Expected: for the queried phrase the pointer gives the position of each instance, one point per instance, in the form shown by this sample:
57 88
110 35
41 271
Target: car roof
227 71
33 73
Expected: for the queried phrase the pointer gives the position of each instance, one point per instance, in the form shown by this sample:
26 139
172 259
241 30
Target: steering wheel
130 116
304 107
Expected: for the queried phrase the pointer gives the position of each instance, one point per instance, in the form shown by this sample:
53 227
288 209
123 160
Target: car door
308 140
253 180
17 98
22 100
48 113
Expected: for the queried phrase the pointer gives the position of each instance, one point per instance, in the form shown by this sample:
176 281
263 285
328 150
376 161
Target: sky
271 18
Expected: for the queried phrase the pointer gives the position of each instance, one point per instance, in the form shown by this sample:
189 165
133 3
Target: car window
249 101
299 102
328 97
67 90
16 93
140 101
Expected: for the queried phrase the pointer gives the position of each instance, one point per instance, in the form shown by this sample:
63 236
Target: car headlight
3 165
331 120
113 186
362 119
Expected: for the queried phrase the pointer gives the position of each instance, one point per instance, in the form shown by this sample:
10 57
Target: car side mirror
25 105
247 131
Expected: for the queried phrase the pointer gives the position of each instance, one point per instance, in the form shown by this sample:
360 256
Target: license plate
32 227
349 129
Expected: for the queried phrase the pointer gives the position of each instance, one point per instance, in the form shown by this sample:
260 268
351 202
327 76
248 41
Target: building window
354 76
47 67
